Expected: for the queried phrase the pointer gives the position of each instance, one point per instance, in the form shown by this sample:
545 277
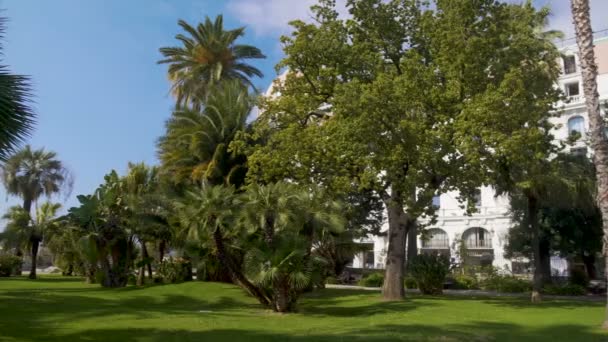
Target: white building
485 232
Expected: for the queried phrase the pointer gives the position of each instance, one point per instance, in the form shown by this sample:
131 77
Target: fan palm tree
599 143
208 54
195 146
31 174
24 232
210 214
15 113
283 222
44 222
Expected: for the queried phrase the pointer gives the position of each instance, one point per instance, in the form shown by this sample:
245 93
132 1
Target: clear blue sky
101 98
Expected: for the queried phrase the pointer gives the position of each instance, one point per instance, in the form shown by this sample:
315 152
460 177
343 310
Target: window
569 64
437 239
576 124
572 89
437 202
579 151
477 198
369 259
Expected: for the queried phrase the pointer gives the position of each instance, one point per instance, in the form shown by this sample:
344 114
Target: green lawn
65 309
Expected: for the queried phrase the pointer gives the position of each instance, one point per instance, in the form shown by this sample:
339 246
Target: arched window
477 238
576 124
437 238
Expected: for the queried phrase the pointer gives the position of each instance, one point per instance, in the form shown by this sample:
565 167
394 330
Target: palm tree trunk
584 39
146 257
235 274
537 281
35 245
27 204
392 288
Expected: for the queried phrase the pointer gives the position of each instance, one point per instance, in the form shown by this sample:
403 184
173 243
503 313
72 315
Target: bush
9 264
465 282
331 280
174 270
410 283
506 284
372 280
430 271
565 290
579 277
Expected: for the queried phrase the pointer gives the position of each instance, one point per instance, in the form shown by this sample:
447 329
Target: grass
65 309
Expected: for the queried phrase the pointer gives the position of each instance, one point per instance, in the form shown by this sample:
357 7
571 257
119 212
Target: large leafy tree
16 114
195 145
208 53
558 196
599 142
396 99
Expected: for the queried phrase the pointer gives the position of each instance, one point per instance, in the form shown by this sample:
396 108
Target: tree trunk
281 297
146 257
599 143
161 250
589 261
235 274
537 281
545 260
141 275
27 205
35 245
392 288
412 244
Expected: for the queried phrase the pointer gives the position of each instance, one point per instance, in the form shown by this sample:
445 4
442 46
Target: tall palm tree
599 143
195 146
208 53
16 115
31 174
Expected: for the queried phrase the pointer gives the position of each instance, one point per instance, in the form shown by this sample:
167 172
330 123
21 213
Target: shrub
430 271
174 270
372 280
8 264
465 282
331 280
506 284
410 283
565 290
579 277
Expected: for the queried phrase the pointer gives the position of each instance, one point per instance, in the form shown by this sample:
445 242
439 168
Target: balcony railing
478 244
436 244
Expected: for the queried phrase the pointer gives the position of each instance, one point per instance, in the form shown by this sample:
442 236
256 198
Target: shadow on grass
479 331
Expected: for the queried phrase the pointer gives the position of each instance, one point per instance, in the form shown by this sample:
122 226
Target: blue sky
101 98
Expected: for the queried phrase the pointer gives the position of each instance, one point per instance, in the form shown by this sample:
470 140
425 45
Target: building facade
484 234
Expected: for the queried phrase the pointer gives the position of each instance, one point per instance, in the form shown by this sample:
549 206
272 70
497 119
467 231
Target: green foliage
174 270
410 283
331 280
579 277
9 264
465 282
16 114
430 271
565 290
372 280
506 284
195 147
208 54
